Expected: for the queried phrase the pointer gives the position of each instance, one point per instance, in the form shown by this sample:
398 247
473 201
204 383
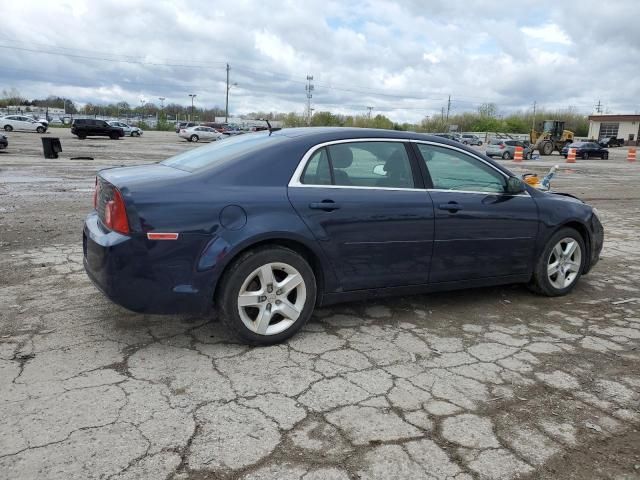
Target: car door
365 204
23 123
480 230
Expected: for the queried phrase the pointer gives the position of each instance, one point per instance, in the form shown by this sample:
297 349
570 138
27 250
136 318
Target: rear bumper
142 275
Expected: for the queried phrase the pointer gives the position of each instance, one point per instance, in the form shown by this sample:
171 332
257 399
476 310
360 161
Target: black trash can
51 147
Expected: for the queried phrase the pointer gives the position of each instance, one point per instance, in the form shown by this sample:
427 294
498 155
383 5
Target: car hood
565 196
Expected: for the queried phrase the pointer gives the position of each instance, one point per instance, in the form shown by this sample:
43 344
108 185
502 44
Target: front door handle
326 205
451 207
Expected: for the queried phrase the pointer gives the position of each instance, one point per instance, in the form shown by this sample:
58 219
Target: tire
552 285
8 128
114 136
40 129
605 156
82 136
465 143
585 155
194 138
529 156
546 148
506 156
479 144
245 275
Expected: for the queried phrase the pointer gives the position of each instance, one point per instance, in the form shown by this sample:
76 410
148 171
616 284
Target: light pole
142 101
226 103
192 95
162 99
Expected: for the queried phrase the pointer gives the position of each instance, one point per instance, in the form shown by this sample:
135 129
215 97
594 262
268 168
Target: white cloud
550 33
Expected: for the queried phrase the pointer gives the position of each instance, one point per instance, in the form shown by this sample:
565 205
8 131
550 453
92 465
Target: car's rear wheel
82 136
194 138
585 155
8 128
506 155
479 144
114 136
559 267
267 295
605 156
40 129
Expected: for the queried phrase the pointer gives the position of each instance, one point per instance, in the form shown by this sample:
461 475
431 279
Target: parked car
610 142
450 136
195 134
37 119
21 122
506 149
126 128
184 125
90 127
4 142
586 150
470 139
264 227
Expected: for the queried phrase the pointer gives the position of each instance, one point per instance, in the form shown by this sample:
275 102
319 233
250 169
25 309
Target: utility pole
448 108
192 95
599 107
369 113
309 88
442 114
533 122
162 99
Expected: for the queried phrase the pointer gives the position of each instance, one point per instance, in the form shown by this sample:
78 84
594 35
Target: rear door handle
326 205
451 207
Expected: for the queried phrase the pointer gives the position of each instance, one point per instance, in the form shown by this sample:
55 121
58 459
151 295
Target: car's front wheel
506 155
267 295
559 267
40 129
8 128
585 155
605 156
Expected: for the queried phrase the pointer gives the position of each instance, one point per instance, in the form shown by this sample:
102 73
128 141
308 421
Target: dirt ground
493 383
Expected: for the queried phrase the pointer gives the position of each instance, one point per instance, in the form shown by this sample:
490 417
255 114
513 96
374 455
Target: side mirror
379 170
515 186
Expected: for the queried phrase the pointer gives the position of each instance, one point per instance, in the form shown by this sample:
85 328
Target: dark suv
89 127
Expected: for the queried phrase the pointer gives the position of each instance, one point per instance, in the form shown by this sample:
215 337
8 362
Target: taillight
501 146
115 214
96 194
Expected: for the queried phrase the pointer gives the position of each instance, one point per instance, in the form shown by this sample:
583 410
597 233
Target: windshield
220 151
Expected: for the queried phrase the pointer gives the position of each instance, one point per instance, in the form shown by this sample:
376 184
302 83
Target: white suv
469 139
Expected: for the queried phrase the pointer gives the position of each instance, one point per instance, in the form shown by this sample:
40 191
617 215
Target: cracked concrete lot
492 383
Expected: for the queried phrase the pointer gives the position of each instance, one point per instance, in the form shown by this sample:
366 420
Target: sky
403 58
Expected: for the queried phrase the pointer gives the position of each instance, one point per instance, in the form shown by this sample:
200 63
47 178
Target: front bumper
142 275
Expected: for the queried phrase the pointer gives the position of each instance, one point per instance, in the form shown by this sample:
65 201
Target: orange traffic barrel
517 156
631 154
571 156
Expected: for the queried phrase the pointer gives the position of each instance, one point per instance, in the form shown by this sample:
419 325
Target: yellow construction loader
552 137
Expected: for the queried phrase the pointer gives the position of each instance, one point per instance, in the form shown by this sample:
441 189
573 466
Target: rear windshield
220 151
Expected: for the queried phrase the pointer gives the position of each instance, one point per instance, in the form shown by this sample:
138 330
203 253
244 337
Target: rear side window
317 171
371 164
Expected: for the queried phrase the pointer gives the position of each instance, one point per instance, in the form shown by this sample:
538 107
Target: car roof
328 134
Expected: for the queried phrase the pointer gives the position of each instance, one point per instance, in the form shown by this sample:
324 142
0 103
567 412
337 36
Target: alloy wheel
563 265
271 298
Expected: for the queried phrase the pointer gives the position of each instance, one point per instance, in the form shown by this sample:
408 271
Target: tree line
486 118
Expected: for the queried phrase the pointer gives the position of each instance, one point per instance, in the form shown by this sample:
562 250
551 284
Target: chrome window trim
297 174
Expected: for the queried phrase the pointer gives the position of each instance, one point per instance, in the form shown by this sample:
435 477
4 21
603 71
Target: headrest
341 156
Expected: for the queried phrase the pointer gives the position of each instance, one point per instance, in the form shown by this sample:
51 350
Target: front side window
453 170
371 164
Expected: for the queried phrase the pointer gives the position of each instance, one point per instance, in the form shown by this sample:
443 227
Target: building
626 127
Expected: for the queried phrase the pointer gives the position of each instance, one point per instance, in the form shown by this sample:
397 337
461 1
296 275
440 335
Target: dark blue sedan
266 226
